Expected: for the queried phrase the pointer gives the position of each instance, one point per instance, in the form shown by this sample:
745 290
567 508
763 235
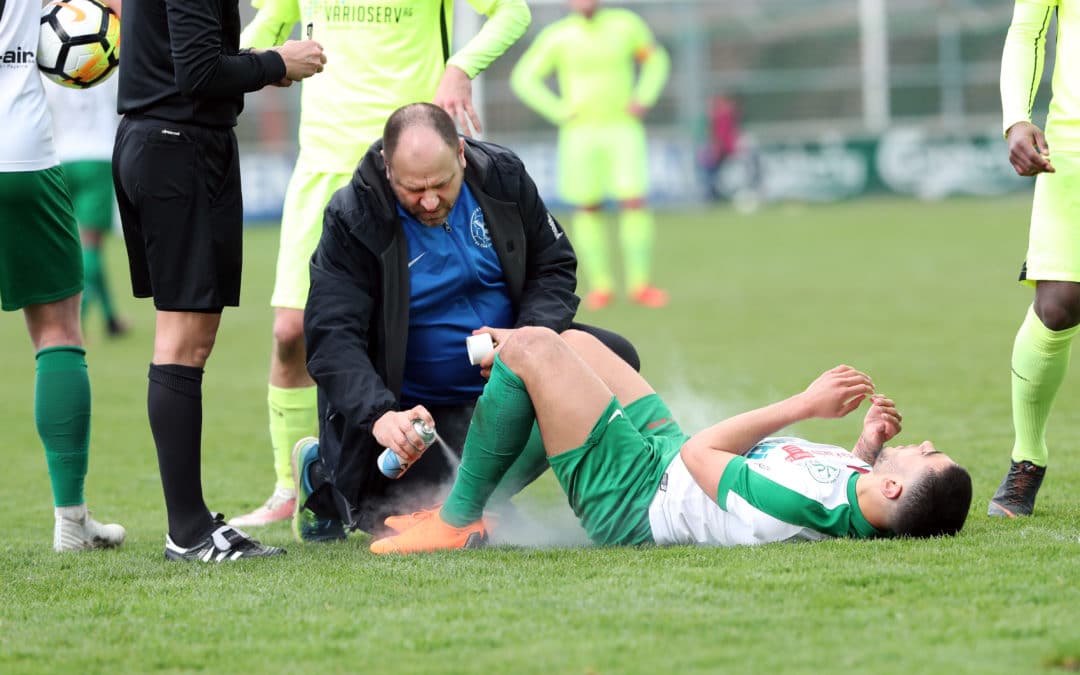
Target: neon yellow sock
589 237
293 415
636 236
1040 359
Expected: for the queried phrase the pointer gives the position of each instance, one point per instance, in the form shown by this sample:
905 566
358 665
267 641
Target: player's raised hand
882 422
1029 153
836 392
454 95
303 58
394 430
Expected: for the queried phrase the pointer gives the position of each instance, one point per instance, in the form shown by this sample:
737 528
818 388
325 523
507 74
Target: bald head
415 117
425 161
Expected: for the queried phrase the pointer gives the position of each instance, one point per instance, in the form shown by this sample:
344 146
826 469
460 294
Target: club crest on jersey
822 472
478 229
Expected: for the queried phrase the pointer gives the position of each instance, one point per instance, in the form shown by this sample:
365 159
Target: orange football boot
433 534
649 296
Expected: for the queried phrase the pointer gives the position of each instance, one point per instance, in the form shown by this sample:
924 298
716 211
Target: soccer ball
79 42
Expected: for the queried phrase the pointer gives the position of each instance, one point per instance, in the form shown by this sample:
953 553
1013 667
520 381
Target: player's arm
272 24
527 78
882 423
506 21
834 393
655 66
114 5
1022 64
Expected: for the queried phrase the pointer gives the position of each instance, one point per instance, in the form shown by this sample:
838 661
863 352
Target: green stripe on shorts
40 253
611 480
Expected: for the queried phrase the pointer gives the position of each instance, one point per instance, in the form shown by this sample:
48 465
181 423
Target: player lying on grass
633 477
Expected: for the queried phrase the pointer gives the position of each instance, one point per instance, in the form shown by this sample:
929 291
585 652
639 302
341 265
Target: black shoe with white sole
224 544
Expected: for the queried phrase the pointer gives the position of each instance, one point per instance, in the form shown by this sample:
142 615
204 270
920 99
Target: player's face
426 176
913 458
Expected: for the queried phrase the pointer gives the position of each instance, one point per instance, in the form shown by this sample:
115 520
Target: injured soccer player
632 476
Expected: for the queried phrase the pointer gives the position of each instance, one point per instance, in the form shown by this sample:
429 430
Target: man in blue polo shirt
434 238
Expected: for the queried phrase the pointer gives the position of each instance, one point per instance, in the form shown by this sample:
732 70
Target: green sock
530 465
102 289
293 415
91 278
636 238
62 414
500 427
1040 358
591 247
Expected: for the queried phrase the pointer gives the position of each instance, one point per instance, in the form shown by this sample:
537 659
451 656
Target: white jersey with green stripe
28 144
380 56
1022 65
783 489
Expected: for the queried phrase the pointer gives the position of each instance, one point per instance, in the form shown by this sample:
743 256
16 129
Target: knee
288 335
529 345
1058 310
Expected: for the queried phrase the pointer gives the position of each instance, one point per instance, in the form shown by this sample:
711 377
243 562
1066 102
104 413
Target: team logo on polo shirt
478 229
822 472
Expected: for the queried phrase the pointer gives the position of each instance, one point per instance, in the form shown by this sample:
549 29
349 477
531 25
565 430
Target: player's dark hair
418 115
935 505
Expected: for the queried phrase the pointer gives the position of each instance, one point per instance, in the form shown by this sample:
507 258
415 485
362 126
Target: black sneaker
1016 494
223 544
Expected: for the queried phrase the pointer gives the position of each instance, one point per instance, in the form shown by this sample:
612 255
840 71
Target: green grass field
922 296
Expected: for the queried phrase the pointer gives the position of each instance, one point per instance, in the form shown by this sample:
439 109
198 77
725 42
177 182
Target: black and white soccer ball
79 45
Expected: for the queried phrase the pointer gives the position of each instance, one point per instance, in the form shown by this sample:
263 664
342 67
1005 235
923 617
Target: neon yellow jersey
378 58
593 61
1022 66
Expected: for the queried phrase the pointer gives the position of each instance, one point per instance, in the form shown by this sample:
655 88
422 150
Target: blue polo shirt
456 285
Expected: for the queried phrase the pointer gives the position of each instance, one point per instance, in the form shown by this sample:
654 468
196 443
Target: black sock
174 405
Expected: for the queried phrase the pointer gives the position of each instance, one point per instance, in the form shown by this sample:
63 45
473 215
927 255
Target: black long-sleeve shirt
180 61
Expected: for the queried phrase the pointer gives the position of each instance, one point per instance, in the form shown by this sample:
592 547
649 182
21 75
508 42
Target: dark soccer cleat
1016 494
222 545
307 526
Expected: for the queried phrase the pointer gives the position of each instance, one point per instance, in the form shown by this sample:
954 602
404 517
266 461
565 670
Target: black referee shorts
178 189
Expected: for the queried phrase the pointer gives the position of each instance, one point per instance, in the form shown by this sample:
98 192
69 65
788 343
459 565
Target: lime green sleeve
527 78
506 21
1023 59
272 23
655 65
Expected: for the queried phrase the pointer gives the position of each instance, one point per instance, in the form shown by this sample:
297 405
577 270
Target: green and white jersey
27 144
84 121
783 489
594 62
379 56
1022 66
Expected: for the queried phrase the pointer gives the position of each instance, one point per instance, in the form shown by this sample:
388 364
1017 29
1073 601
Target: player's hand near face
499 336
1028 152
637 110
454 95
303 58
836 392
881 424
394 430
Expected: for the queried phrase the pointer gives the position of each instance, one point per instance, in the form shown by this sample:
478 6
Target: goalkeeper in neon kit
1041 350
599 113
380 57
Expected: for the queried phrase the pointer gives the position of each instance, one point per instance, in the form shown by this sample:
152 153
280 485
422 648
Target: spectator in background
722 141
602 148
1040 355
41 274
435 238
84 133
374 68
177 173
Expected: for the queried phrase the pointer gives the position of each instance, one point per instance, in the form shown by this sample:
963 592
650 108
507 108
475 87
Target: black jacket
357 314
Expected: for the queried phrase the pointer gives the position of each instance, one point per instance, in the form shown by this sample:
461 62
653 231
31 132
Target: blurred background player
1041 351
41 274
602 148
84 130
374 67
177 174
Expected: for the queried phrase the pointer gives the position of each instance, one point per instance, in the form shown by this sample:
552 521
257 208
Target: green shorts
611 480
301 226
40 254
91 186
1054 238
601 161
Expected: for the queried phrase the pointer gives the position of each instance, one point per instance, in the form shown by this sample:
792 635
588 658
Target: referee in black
177 176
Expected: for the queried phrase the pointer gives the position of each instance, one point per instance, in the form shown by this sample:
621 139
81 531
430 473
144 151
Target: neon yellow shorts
599 161
1054 239
301 226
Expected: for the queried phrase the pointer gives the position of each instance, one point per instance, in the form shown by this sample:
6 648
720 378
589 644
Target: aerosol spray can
391 465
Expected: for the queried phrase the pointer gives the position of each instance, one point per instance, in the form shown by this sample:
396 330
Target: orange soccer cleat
597 300
407 520
432 533
649 296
